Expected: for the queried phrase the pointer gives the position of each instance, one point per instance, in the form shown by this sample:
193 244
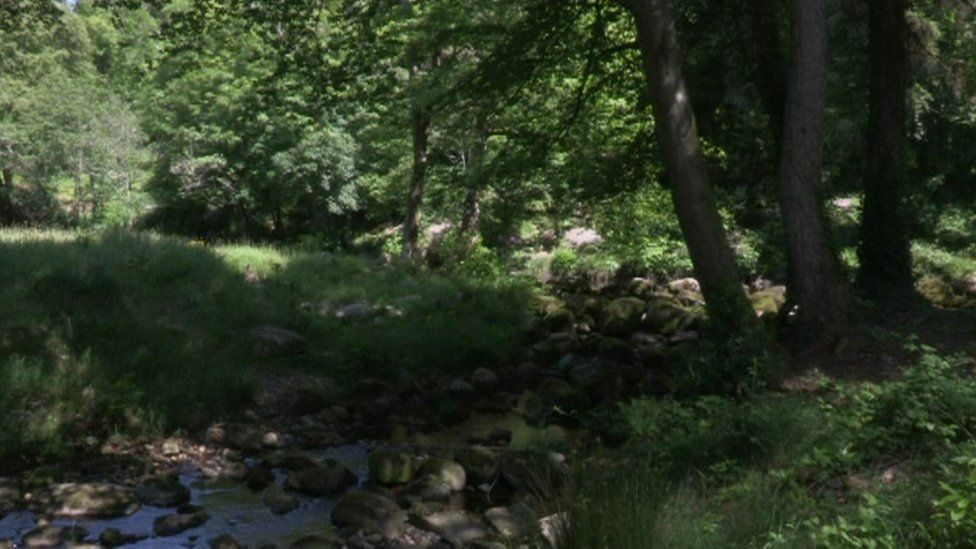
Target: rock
234 470
314 541
768 302
554 528
271 342
480 464
484 379
225 541
460 387
560 320
426 488
278 501
370 512
588 373
355 311
456 526
517 521
446 470
162 492
613 348
271 439
113 537
171 447
53 536
326 480
650 349
291 461
684 285
554 388
171 525
388 467
622 316
555 346
259 478
9 498
93 500
665 316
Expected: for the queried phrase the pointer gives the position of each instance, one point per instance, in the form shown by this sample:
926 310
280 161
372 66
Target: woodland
509 273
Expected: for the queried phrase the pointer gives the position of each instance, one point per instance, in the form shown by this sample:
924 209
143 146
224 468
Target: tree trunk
815 284
694 200
476 161
884 248
420 126
79 197
6 205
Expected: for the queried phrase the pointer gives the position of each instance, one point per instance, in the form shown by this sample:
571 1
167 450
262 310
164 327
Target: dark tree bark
815 285
690 188
420 128
475 176
6 205
884 248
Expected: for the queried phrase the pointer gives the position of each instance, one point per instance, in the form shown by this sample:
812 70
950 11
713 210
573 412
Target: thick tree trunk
815 285
420 128
476 160
884 249
694 200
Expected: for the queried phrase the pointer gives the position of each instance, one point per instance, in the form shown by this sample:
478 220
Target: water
233 510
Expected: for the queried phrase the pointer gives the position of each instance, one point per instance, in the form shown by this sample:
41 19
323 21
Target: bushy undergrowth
871 465
134 332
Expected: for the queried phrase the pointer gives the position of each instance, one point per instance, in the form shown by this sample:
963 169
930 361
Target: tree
694 199
884 253
815 286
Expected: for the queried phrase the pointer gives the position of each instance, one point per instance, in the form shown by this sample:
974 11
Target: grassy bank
121 332
889 464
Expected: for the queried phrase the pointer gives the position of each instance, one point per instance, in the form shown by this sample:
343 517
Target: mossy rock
389 467
666 316
546 304
768 302
560 320
623 316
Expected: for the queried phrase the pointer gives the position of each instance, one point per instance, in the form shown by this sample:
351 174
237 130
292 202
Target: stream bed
233 510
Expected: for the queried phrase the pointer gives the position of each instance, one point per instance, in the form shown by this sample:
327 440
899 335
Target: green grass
871 465
115 331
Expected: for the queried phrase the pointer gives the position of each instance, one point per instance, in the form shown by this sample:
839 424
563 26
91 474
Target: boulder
622 316
225 541
684 285
370 512
388 467
768 302
259 478
517 521
278 501
93 500
113 537
484 379
665 316
53 536
171 525
560 320
164 491
271 342
426 488
451 472
326 480
457 526
555 346
479 463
